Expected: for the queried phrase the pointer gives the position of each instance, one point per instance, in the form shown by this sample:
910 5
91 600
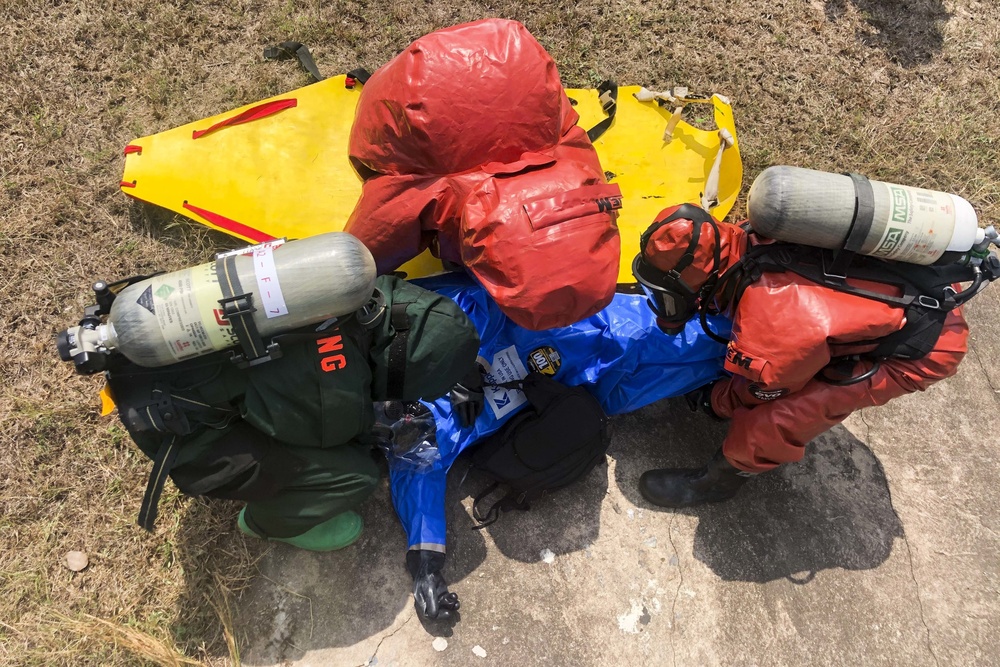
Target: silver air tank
817 208
175 316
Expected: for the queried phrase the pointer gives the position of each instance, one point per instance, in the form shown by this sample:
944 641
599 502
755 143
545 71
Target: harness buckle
163 415
371 314
607 102
949 293
837 269
241 304
273 351
929 302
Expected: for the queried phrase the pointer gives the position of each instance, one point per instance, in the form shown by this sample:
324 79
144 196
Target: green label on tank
900 205
890 241
919 224
164 291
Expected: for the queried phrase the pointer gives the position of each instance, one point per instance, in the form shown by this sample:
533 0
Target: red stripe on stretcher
127 184
231 226
132 148
253 113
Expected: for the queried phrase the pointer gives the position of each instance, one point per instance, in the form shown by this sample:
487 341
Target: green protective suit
292 436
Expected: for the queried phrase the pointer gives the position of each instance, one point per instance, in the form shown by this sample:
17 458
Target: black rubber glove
467 398
430 592
700 400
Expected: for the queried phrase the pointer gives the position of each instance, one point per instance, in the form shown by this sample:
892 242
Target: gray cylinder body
172 317
816 208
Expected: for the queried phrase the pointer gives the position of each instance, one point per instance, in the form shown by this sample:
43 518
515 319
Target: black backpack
560 438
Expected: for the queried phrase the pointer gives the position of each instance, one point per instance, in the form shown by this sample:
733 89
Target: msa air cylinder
894 222
175 316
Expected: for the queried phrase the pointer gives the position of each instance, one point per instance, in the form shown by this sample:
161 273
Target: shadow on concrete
830 510
299 601
909 31
562 522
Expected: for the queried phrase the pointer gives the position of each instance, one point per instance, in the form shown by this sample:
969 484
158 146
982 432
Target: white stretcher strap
678 97
710 198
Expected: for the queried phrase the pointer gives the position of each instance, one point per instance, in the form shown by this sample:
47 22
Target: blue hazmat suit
619 354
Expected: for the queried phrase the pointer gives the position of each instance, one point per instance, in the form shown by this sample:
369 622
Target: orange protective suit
786 329
467 144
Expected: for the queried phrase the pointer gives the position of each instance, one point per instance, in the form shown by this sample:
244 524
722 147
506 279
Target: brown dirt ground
902 90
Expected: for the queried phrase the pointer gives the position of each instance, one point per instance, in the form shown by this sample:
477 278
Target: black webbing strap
628 288
810 263
359 75
864 213
165 457
861 224
508 502
397 350
608 96
289 50
927 295
492 514
238 308
213 416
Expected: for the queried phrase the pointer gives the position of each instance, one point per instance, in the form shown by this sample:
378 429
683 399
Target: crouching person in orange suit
803 355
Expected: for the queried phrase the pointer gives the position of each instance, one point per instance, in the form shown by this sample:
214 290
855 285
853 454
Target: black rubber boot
684 487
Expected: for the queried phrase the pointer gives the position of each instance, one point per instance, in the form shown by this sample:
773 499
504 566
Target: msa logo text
890 242
900 206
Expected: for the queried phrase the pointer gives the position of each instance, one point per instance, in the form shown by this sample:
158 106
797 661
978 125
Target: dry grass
903 90
91 629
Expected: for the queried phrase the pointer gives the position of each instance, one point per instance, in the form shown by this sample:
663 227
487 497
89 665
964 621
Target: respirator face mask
667 295
672 299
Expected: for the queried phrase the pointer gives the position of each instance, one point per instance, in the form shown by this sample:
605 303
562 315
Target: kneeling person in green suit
292 436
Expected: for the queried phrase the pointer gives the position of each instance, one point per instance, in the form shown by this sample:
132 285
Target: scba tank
817 208
172 317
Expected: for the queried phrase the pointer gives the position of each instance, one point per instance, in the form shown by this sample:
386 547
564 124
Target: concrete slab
880 547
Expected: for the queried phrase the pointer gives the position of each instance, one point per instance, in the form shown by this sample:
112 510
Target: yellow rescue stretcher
279 168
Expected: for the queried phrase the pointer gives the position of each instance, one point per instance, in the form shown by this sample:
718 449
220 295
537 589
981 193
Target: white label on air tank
208 292
249 250
506 367
175 304
920 226
268 289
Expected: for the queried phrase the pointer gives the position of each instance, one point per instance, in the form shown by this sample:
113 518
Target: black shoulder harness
927 293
